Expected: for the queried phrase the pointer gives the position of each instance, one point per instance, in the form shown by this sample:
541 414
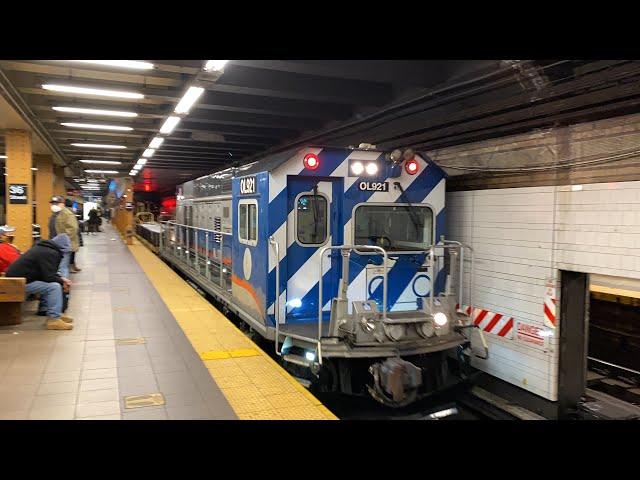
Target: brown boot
66 318
74 269
58 324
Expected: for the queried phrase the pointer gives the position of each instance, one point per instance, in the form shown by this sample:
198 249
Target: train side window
311 219
248 222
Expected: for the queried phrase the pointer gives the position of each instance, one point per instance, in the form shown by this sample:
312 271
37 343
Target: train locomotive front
338 256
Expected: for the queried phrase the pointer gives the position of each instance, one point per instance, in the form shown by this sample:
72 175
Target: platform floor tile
256 387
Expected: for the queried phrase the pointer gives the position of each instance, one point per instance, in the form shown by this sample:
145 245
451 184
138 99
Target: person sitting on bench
39 265
8 252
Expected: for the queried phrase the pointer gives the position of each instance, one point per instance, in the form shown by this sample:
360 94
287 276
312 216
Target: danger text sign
530 334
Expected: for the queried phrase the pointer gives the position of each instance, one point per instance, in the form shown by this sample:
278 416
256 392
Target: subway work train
338 256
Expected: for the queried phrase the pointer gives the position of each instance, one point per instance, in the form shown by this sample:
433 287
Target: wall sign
247 185
18 193
374 186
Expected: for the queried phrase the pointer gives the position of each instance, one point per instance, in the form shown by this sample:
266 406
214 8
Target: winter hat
63 241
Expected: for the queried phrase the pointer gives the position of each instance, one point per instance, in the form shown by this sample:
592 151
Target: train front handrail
276 305
349 248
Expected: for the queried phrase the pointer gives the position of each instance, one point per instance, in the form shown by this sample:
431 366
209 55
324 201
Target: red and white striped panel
550 307
490 322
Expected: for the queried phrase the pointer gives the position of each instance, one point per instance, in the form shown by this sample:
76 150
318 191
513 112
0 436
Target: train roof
219 183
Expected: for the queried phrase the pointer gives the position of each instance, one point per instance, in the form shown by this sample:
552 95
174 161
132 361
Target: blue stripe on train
330 159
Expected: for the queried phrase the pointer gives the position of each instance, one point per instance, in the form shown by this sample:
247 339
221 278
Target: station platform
145 345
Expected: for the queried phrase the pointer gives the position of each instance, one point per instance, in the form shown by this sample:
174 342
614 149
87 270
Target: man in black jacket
39 265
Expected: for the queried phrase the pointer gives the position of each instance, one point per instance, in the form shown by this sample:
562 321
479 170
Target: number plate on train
374 186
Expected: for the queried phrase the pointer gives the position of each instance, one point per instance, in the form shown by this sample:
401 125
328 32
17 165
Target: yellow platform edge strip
256 387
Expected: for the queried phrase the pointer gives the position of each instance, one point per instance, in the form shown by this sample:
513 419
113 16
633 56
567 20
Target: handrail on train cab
276 305
349 249
207 231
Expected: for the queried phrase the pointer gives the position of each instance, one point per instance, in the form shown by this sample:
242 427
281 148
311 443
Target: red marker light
311 161
411 166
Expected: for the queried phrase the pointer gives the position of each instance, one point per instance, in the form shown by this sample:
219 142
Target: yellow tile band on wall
256 387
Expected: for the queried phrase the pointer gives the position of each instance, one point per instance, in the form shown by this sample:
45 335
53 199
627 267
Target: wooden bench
12 294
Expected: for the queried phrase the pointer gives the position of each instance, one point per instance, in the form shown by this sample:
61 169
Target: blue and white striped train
338 256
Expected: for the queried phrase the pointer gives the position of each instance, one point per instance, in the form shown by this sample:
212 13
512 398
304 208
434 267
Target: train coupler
395 382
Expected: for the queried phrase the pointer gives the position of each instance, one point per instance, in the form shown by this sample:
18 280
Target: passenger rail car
338 256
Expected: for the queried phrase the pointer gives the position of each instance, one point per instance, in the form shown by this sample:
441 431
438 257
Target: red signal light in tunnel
311 161
412 166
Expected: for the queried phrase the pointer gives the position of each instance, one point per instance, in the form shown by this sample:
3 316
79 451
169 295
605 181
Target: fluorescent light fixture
34 169
100 92
95 126
103 162
92 180
215 65
120 63
133 173
156 142
3 156
101 171
96 111
169 124
137 167
148 152
189 98
98 145
141 161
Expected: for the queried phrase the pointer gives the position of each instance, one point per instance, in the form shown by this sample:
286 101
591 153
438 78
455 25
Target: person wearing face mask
63 221
8 252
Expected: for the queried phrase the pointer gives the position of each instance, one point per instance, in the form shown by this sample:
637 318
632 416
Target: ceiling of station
253 106
258 106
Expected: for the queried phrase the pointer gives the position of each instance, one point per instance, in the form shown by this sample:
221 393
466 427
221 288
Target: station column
58 182
19 186
44 192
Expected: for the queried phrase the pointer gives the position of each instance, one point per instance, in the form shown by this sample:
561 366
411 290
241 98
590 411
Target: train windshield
397 227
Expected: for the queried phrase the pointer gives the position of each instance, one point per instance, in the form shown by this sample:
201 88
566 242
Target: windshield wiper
410 208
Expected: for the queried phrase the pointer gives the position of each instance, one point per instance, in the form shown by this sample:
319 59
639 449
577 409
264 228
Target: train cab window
311 219
397 227
248 222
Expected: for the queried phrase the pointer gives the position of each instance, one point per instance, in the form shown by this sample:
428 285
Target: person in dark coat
94 221
39 265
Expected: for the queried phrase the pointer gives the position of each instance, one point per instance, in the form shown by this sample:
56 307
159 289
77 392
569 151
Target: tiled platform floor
201 363
84 373
255 386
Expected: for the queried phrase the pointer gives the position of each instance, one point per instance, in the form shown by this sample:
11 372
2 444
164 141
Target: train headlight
367 325
394 331
440 319
371 168
427 329
357 168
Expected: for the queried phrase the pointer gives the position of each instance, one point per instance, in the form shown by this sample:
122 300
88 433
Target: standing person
39 265
73 268
8 253
94 221
64 221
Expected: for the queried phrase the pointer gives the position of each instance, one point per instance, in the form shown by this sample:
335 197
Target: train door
313 223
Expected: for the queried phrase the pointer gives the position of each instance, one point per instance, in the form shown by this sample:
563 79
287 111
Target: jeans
50 296
63 268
